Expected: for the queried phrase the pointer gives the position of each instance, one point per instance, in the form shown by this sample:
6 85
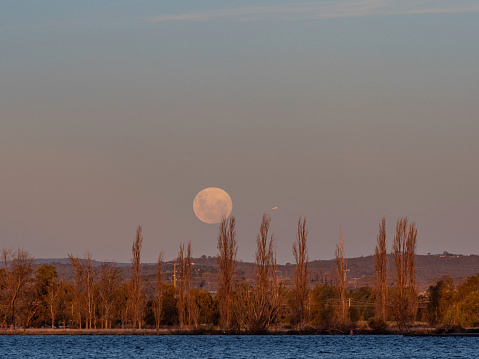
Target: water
277 347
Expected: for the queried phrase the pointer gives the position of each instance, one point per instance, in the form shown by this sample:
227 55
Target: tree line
100 297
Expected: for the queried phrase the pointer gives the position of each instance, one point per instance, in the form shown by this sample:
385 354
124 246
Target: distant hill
360 270
429 269
42 261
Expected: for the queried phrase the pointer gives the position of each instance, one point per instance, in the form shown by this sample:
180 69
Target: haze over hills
360 270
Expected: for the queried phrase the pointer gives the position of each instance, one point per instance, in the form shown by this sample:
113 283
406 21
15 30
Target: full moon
212 204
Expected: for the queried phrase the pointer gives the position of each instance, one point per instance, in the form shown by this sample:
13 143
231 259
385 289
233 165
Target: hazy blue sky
117 113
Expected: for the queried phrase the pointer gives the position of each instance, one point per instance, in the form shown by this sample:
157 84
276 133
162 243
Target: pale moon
212 204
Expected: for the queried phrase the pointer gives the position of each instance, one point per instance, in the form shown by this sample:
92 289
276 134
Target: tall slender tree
404 299
341 271
184 303
381 266
181 279
300 279
136 295
193 310
158 301
264 308
264 255
227 249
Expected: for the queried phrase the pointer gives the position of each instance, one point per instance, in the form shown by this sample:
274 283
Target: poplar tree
158 301
300 278
404 299
185 304
136 295
259 307
227 250
341 271
381 266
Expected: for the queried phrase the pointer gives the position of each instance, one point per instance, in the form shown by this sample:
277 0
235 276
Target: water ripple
212 347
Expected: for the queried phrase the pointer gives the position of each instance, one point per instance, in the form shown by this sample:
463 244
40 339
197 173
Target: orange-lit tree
15 275
227 249
300 279
136 297
341 272
185 304
158 301
381 266
263 306
108 286
404 296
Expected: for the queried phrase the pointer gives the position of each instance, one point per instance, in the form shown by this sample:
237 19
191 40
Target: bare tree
300 279
264 255
181 304
276 304
108 285
136 295
341 271
7 254
227 249
193 310
404 299
158 302
18 269
263 309
184 298
381 266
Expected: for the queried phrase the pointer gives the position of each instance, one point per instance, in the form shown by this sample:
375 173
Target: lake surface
277 347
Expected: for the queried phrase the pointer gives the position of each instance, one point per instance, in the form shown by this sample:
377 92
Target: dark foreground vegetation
101 299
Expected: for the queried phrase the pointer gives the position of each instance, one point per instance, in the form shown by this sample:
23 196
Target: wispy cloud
329 9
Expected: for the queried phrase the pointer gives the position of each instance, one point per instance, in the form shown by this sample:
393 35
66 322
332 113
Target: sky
115 114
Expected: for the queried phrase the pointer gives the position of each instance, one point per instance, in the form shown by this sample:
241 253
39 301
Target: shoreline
418 329
199 331
203 331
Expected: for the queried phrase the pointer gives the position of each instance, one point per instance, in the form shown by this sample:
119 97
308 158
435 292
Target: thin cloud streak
327 10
